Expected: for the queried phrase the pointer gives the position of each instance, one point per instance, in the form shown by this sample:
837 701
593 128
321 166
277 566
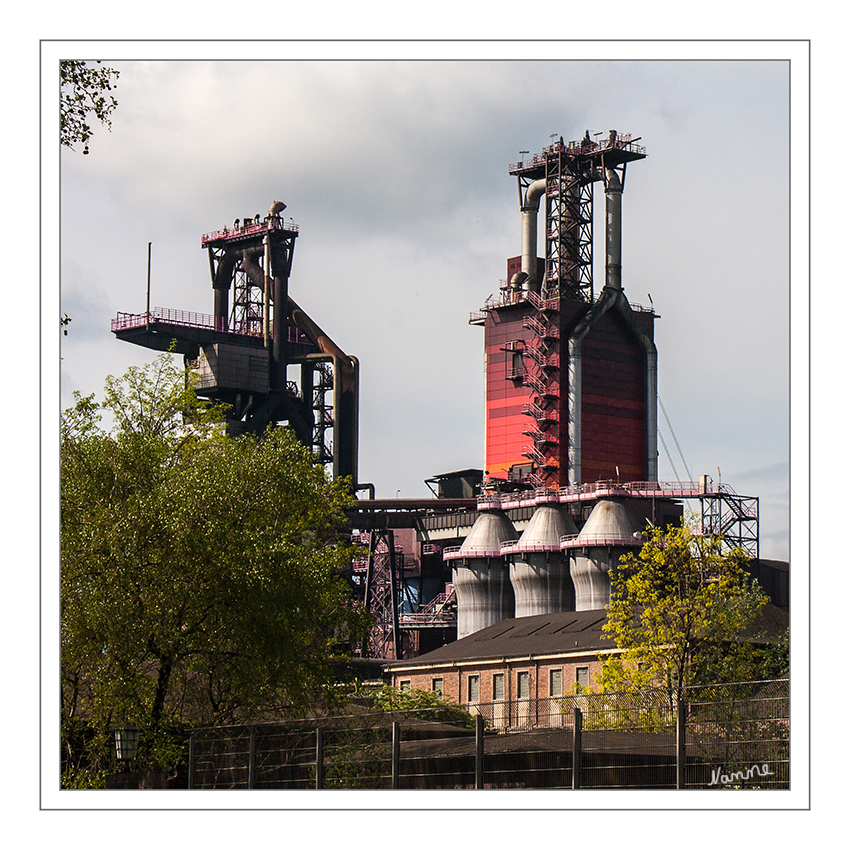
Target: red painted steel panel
613 392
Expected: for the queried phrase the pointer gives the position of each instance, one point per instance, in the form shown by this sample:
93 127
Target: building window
516 368
556 682
522 689
472 689
582 677
437 686
404 685
498 686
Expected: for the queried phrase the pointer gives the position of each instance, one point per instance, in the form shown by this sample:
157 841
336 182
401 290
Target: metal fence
730 736
738 736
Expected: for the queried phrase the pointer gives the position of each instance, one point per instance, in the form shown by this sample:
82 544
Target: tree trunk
161 692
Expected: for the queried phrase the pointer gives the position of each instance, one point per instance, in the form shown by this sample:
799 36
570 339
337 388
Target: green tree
85 91
426 705
677 606
200 574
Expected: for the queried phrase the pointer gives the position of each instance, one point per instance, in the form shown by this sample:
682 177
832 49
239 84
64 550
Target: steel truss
569 230
323 412
735 518
384 565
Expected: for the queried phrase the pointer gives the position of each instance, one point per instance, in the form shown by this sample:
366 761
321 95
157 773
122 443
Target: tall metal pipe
222 279
278 349
613 229
529 208
651 402
651 411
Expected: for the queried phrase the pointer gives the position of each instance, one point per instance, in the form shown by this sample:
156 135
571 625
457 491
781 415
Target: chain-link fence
738 735
729 736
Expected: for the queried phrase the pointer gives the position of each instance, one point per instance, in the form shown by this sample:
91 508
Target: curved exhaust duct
529 208
252 268
346 393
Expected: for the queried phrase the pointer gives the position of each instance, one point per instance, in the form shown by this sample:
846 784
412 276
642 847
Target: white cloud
397 174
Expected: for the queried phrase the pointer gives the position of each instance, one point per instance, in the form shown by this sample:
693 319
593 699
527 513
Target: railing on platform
622 141
251 229
205 321
510 297
598 490
473 551
186 319
577 541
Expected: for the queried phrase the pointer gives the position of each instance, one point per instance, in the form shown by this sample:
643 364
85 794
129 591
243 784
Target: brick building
514 671
527 661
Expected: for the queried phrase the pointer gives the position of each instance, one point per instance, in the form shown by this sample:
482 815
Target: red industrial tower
571 378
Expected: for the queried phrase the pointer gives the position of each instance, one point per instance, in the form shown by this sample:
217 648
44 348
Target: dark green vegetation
200 574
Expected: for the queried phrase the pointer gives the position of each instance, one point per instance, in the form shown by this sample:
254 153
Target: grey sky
396 173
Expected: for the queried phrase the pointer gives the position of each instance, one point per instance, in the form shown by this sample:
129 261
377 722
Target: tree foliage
678 611
426 705
85 92
200 573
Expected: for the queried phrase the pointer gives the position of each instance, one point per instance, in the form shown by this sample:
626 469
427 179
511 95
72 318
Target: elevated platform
598 490
615 149
158 328
249 231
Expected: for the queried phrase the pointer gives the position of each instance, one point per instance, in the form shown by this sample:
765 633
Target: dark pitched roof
544 634
551 634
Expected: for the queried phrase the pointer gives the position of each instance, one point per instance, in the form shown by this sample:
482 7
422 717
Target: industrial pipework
242 353
613 229
529 208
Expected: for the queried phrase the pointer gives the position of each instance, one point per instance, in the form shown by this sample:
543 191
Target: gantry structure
259 353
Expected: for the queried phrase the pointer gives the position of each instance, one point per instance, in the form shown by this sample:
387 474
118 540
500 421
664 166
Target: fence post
479 751
681 712
396 752
252 758
190 781
577 727
320 758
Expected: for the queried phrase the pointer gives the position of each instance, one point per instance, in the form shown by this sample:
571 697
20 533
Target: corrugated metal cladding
504 338
613 396
613 412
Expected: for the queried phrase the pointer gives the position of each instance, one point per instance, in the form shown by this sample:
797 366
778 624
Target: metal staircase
543 378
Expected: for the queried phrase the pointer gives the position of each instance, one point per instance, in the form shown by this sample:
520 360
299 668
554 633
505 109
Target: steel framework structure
570 169
243 350
381 595
733 517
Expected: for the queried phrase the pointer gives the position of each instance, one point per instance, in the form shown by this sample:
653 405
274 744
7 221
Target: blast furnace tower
243 352
571 377
571 395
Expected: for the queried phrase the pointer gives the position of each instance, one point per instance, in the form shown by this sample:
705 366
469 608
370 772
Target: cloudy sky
397 174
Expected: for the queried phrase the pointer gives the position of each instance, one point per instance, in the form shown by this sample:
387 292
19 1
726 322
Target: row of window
473 684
